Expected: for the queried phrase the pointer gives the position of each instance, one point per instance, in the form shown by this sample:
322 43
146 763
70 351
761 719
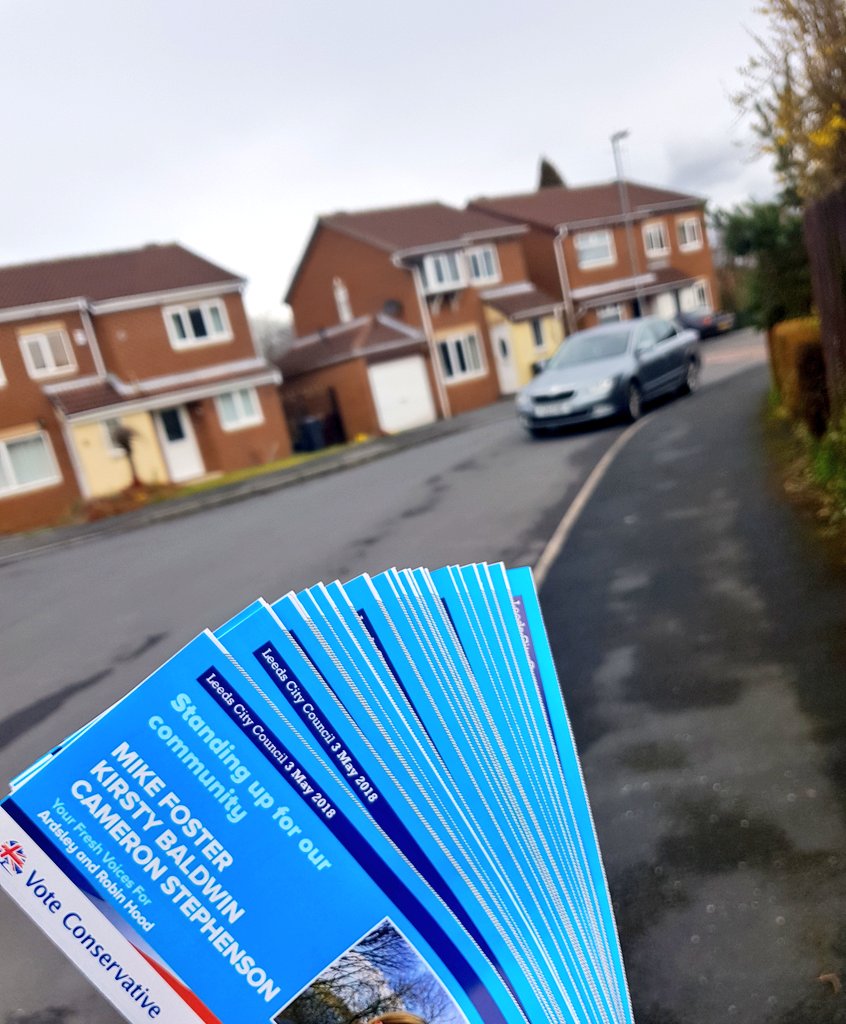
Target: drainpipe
623 187
563 279
73 455
443 398
93 344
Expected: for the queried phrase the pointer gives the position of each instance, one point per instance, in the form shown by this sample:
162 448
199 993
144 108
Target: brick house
614 250
445 272
155 340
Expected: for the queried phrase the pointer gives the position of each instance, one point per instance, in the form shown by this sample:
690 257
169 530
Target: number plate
553 409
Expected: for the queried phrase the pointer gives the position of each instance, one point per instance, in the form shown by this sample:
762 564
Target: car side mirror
644 346
539 366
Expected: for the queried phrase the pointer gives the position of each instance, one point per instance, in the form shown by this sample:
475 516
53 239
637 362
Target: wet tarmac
698 626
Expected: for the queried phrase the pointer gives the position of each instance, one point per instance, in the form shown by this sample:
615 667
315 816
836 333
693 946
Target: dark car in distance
708 322
610 370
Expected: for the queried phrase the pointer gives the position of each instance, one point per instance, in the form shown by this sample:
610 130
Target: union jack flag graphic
12 857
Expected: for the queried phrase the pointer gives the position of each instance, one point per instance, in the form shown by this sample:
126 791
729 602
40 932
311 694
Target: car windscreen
589 348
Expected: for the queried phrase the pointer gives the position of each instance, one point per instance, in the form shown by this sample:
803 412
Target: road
80 626
699 633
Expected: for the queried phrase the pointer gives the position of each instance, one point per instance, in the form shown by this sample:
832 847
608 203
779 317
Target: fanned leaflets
361 798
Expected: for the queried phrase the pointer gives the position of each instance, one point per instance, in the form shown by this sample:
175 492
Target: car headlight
524 403
601 389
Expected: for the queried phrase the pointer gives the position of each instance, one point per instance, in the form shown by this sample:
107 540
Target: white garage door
402 395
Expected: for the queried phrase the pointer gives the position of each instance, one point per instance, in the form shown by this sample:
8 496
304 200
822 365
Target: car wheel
691 377
634 402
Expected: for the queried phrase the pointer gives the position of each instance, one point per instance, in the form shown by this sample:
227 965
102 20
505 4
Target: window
594 249
342 300
441 272
239 409
27 463
655 238
483 264
537 333
461 357
609 314
47 353
702 295
690 234
204 323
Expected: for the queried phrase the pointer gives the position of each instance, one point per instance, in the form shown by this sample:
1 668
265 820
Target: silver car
610 370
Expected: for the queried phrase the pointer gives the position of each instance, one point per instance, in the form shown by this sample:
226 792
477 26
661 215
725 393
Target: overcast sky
230 126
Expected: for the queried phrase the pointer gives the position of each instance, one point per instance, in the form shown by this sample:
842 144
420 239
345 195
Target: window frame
477 252
655 225
704 286
428 272
453 343
183 309
25 338
617 307
580 242
8 469
698 241
244 421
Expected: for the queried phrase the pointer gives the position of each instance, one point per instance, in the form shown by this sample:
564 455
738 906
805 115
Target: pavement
697 621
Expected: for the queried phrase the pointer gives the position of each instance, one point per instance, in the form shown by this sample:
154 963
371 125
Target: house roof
398 229
109 275
114 395
367 337
520 301
411 227
650 283
551 208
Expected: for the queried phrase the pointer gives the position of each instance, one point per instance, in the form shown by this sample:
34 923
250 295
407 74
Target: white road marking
562 531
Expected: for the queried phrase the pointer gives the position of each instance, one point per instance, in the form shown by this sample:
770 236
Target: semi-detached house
458 278
614 250
154 340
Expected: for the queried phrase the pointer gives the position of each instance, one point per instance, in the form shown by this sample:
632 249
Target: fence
825 238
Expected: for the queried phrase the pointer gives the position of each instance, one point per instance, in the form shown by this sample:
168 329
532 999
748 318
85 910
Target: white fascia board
637 213
413 333
72 385
205 291
41 309
105 412
527 314
470 238
610 287
208 373
507 289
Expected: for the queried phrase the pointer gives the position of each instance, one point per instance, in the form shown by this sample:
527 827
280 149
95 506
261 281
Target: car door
648 357
671 355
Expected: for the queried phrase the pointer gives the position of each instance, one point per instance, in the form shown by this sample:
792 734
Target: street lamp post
623 186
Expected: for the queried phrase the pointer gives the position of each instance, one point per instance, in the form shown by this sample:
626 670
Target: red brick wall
135 343
352 391
23 402
238 449
370 277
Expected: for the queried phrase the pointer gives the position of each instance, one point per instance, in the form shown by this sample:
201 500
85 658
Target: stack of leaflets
361 798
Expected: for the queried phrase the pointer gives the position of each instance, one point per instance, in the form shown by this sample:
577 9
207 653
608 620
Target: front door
506 371
179 445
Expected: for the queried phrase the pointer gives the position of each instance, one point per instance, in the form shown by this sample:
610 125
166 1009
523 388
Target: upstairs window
441 272
483 264
655 240
47 353
690 234
594 249
202 323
